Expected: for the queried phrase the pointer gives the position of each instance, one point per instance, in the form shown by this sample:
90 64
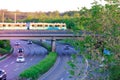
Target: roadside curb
2 58
50 70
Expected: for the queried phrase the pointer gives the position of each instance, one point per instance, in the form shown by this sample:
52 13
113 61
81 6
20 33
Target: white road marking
62 79
6 66
17 64
12 62
31 59
67 72
25 63
34 54
16 69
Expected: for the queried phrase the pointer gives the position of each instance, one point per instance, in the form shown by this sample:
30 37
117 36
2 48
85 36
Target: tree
102 20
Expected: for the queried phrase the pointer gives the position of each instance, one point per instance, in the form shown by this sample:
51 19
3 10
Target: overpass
38 34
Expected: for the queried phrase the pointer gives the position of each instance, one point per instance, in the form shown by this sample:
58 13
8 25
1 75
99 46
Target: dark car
2 74
20 50
66 47
17 43
29 42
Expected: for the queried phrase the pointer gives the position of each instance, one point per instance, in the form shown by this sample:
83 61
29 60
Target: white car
3 74
20 59
29 42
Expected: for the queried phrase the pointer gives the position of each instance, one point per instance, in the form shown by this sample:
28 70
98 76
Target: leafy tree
102 20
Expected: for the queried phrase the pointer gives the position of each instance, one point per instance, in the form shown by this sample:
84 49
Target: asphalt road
61 69
33 54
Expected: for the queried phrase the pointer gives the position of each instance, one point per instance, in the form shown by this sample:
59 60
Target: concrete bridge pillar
41 41
53 41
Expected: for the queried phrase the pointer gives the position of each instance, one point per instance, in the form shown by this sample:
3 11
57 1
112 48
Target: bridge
38 34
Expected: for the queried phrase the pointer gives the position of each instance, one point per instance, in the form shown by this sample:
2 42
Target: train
33 26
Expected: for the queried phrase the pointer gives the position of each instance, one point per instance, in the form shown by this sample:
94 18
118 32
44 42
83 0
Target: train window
4 25
51 25
63 25
57 25
46 25
39 25
33 25
9 25
17 25
23 25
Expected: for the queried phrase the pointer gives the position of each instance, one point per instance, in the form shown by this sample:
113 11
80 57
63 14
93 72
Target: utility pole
15 17
3 17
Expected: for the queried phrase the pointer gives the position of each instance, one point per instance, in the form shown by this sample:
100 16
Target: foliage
3 51
47 46
4 47
39 69
115 72
104 24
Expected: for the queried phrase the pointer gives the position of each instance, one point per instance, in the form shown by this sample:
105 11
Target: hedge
39 69
4 47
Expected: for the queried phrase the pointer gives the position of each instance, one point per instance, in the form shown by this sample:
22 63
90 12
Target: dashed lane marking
25 63
6 66
12 62
31 59
16 69
67 72
62 79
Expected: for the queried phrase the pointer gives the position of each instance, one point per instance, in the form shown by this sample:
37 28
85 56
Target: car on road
20 50
20 59
29 42
2 74
66 47
17 43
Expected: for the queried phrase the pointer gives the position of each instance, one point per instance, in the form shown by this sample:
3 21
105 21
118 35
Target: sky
44 5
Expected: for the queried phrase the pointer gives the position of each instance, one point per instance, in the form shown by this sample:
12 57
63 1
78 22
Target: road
61 69
33 54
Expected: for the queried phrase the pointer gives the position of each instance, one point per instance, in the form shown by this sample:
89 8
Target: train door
28 25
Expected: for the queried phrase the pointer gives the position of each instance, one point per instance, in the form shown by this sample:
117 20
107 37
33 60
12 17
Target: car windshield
1 72
20 57
20 49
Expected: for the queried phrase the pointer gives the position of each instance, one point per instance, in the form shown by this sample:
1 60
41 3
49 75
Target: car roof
1 70
20 56
20 48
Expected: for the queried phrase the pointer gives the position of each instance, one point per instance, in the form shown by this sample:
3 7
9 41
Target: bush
3 51
47 46
39 69
4 47
115 72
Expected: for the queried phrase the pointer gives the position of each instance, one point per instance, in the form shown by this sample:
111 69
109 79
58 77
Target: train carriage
33 26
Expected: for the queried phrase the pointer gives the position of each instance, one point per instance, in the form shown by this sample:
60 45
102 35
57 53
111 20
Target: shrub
4 47
47 46
35 71
115 72
3 51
